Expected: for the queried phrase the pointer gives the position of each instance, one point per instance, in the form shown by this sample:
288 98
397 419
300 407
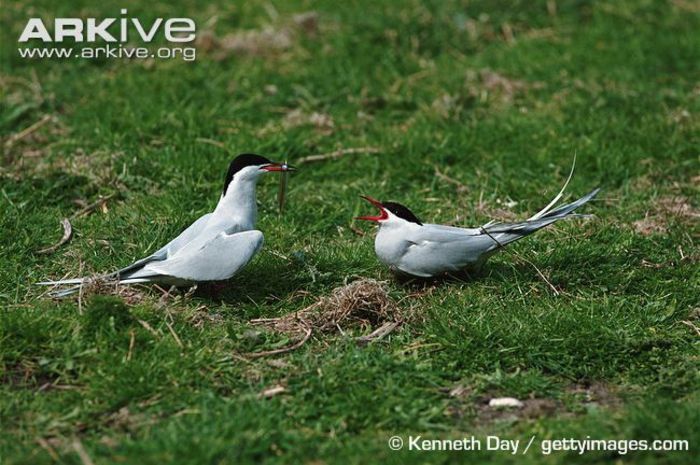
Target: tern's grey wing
186 236
219 259
168 249
444 253
441 233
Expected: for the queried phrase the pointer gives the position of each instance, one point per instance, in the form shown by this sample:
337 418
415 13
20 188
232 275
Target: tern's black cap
241 161
402 212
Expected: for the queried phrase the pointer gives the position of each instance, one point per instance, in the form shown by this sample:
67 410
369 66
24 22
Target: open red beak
278 167
383 214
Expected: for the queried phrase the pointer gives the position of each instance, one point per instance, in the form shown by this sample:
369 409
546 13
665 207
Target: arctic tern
410 247
213 248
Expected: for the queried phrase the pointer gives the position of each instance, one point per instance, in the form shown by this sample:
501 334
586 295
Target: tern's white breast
390 246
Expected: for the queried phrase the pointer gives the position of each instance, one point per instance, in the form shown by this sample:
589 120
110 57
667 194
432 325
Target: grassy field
475 110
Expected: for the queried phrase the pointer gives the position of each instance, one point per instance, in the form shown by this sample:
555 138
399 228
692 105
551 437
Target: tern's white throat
238 202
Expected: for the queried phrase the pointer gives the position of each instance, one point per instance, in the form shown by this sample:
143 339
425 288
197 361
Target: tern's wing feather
168 249
441 233
186 236
436 249
218 259
431 258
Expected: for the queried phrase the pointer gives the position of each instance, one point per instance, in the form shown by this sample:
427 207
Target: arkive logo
89 30
114 32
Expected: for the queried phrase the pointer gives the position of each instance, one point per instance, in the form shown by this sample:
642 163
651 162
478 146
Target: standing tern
410 247
213 248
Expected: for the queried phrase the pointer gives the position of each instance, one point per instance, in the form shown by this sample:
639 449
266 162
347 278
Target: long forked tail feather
115 275
504 233
556 199
568 208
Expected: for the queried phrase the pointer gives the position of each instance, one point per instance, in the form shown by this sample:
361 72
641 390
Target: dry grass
364 303
269 40
666 210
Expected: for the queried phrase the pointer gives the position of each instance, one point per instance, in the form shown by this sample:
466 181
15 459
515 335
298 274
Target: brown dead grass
27 149
364 303
689 6
489 84
266 41
322 123
678 206
33 129
298 117
125 420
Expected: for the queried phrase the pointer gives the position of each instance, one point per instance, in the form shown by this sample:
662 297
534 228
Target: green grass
615 83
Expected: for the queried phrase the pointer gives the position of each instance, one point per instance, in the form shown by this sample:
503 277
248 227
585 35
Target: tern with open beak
410 247
213 248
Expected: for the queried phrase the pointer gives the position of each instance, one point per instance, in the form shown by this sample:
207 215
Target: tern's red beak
278 167
383 214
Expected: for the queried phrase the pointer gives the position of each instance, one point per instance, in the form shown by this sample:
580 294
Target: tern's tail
122 276
63 282
504 233
78 283
75 285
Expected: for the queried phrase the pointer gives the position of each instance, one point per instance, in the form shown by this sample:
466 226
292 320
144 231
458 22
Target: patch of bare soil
489 409
527 409
27 376
596 393
530 409
649 225
363 304
666 210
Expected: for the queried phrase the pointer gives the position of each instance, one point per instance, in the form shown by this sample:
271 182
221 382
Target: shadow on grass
507 273
259 285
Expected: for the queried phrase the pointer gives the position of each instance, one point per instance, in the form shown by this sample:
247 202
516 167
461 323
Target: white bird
213 248
410 247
